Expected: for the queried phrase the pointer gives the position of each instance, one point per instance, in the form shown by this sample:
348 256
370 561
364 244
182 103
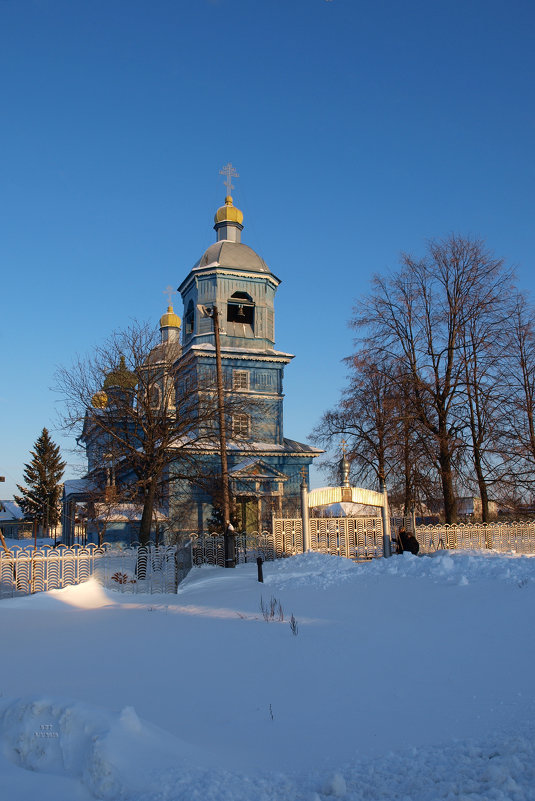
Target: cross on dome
231 173
169 291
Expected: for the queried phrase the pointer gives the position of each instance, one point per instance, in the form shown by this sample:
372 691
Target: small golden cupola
120 377
228 222
99 400
170 325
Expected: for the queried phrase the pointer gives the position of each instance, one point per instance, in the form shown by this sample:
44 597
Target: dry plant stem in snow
272 610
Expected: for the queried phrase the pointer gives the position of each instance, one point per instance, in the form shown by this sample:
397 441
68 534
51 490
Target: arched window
189 320
240 309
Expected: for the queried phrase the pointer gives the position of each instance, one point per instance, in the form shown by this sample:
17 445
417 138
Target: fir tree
216 522
40 495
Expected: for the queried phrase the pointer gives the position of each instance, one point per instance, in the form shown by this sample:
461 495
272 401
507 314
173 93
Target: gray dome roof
167 352
234 255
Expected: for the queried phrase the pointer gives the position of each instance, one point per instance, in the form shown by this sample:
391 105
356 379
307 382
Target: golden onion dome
228 213
121 377
170 319
99 400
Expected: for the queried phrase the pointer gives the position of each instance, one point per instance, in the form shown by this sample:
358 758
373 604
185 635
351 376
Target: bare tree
516 379
383 440
139 408
364 418
483 344
417 318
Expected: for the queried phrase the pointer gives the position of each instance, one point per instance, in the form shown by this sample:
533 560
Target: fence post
304 513
386 520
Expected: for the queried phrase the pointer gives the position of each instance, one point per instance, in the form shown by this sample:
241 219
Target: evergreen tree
40 497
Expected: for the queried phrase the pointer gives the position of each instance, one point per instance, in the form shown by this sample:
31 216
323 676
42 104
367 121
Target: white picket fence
151 569
136 569
518 538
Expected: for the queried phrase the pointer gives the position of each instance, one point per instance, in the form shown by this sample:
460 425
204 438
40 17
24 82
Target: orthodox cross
303 473
343 445
169 291
231 173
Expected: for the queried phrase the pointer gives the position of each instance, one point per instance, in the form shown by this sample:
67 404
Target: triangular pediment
256 470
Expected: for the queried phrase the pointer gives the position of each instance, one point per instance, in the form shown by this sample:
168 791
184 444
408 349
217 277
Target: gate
357 538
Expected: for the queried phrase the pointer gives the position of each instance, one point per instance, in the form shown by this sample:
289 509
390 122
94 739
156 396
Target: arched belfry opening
241 312
189 320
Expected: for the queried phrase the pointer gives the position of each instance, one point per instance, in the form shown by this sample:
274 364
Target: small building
472 507
12 521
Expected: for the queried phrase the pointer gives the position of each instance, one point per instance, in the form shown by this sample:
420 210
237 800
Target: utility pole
228 533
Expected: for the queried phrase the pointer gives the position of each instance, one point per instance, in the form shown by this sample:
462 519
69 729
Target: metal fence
287 536
516 538
136 569
354 538
209 549
151 569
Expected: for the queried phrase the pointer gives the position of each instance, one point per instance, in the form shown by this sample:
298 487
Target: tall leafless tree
417 318
364 418
516 381
141 410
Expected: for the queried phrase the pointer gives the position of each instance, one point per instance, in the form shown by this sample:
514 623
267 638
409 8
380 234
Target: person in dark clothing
407 541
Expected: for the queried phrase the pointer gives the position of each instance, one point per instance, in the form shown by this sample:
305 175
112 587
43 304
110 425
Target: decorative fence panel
209 549
136 569
501 537
357 538
288 536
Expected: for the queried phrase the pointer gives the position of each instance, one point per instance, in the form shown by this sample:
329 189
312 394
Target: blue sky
359 130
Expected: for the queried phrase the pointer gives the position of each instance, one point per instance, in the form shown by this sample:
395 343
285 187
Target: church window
241 425
240 309
189 320
240 379
154 397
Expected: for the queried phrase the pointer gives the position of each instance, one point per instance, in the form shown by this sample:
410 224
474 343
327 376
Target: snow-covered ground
409 678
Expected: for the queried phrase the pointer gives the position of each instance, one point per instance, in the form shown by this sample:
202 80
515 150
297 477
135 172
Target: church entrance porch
255 513
258 490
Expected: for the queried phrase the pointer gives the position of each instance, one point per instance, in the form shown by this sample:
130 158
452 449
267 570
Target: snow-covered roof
10 510
76 486
244 352
349 509
289 447
123 512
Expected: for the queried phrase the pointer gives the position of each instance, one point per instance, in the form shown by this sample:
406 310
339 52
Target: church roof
289 447
235 255
266 354
167 352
